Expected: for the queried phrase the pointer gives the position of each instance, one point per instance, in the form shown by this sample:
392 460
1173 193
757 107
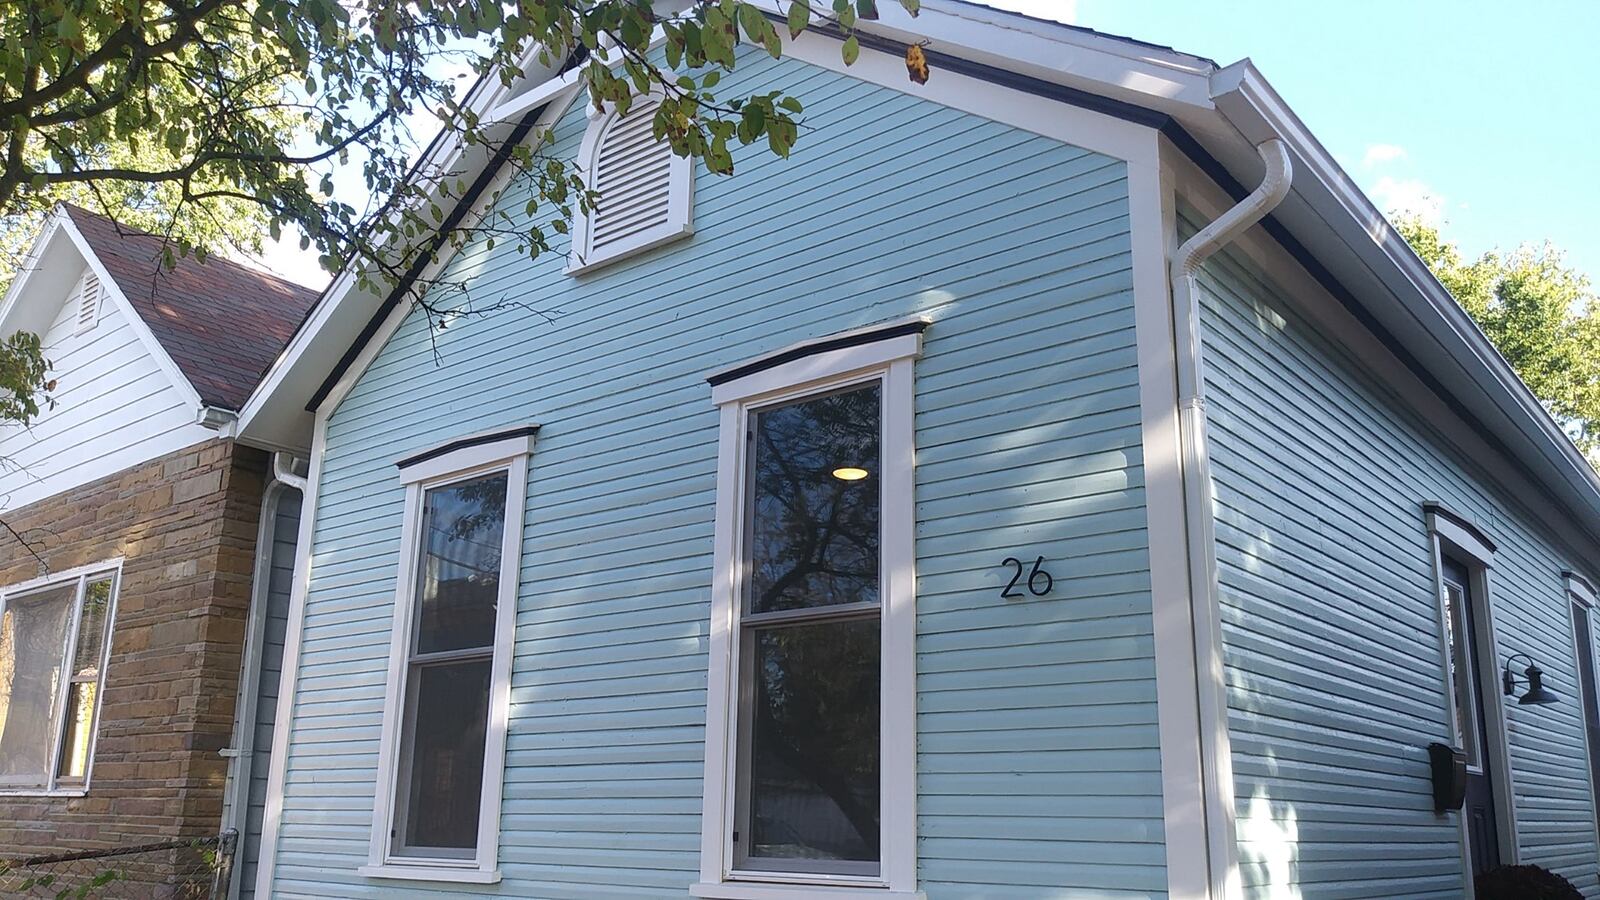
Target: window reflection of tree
815 537
461 564
814 544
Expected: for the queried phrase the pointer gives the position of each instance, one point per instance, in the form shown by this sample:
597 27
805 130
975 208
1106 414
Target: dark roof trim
855 339
457 213
477 440
1441 511
938 60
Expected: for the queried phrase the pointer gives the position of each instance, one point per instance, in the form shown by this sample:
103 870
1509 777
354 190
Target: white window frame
1450 534
1581 596
680 194
885 354
459 460
83 575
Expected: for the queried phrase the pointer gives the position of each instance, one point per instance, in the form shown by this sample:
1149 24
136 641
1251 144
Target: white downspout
1216 758
240 754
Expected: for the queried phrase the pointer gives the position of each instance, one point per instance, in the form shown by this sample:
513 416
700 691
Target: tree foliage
213 120
1542 316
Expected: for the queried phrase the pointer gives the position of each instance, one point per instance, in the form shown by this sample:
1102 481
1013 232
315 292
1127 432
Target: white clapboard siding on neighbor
1037 743
1330 622
115 408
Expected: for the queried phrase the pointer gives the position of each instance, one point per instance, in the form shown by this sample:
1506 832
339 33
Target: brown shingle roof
221 322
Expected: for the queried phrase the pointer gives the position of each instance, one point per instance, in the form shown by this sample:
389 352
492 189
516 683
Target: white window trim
680 194
1581 595
1448 536
891 361
458 460
83 575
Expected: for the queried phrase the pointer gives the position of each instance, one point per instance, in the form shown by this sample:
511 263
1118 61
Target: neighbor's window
53 643
449 676
1583 637
810 750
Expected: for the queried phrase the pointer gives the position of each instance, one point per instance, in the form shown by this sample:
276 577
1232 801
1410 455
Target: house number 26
1039 581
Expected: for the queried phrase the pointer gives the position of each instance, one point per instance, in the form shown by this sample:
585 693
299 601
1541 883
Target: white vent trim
86 300
646 190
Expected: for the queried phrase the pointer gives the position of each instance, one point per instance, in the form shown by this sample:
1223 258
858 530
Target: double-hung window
810 747
438 804
53 651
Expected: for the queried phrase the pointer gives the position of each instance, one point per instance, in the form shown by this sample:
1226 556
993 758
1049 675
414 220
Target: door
1466 675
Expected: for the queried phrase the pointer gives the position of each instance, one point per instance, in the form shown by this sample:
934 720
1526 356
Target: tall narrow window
1583 637
53 648
809 761
810 637
450 672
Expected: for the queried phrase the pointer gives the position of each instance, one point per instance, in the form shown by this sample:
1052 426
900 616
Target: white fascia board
1422 315
111 289
1156 79
30 264
274 416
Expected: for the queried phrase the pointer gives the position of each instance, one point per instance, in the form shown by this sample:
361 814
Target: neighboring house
867 524
128 556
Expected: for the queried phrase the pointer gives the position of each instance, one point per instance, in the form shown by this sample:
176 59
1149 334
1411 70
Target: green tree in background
1542 316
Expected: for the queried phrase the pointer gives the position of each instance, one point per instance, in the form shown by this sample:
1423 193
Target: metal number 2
1034 577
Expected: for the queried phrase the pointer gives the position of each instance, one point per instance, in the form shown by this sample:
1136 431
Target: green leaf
799 17
851 50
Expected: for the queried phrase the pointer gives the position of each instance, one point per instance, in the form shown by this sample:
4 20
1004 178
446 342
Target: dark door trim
1473 550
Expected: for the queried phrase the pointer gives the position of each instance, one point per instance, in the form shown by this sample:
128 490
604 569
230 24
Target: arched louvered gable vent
87 301
645 189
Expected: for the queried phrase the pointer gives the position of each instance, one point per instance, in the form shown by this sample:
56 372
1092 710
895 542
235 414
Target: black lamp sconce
1538 694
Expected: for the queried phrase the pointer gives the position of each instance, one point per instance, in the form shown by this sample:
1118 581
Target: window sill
67 793
755 890
408 872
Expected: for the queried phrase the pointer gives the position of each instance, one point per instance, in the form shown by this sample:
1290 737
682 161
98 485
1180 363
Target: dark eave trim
457 213
477 440
812 348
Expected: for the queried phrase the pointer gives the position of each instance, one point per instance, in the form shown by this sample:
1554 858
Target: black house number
1039 581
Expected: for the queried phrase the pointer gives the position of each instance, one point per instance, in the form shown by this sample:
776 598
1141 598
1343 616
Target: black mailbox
1449 776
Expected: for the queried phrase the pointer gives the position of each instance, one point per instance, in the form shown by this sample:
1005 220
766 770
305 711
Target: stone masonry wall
186 526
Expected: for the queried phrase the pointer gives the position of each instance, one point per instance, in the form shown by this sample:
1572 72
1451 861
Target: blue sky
1483 115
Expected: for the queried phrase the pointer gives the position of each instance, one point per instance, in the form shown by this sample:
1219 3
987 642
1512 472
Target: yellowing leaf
917 64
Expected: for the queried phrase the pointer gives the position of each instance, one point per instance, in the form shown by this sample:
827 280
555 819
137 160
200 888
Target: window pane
448 722
814 502
814 742
74 762
459 576
1461 672
33 637
92 629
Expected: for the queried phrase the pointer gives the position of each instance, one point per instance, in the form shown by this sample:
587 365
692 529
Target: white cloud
1378 154
1408 197
285 259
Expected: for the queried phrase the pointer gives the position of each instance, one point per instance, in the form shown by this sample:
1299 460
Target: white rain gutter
283 470
1216 763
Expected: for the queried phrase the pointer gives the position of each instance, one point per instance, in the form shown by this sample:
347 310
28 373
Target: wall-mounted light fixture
1538 694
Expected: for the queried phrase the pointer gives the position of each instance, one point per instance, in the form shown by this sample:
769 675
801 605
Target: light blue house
932 514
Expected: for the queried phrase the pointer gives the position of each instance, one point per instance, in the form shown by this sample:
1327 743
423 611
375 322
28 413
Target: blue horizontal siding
1335 680
1038 762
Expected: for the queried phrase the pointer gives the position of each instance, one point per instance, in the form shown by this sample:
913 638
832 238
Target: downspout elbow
283 470
1268 194
1193 253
